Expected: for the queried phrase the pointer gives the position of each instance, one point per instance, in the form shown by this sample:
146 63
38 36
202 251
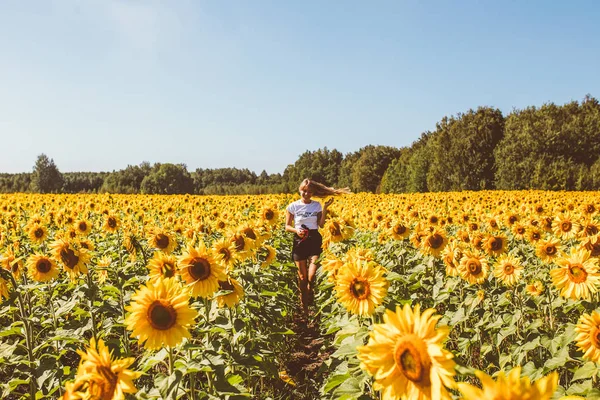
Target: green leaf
588 370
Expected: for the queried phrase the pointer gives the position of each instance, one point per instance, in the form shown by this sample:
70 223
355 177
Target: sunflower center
595 336
104 389
249 233
411 357
474 267
577 273
239 243
590 208
509 269
225 285
591 230
335 229
433 219
69 258
39 233
161 315
112 222
168 270
82 226
225 253
565 226
269 215
220 224
535 236
435 241
512 219
550 250
162 241
43 266
496 244
360 288
520 230
199 269
399 229
15 268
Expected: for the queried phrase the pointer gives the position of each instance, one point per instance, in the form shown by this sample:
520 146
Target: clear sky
100 84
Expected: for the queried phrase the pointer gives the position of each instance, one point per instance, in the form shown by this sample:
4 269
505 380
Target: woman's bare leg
312 270
303 284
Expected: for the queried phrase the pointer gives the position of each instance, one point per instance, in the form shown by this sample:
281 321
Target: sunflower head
510 386
41 268
406 357
361 286
199 269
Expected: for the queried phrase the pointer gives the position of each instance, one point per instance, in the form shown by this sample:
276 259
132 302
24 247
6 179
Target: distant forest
552 147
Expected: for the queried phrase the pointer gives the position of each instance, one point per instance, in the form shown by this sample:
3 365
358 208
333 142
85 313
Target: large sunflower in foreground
160 314
510 386
578 276
99 376
406 357
41 268
360 286
198 269
588 338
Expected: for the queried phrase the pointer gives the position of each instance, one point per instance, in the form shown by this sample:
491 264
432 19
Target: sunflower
336 230
360 286
510 386
73 260
162 240
270 256
508 270
241 245
224 252
270 216
473 267
83 227
519 231
11 263
41 268
548 250
3 288
577 276
251 233
198 269
588 338
589 228
233 297
564 227
434 243
592 244
99 376
111 223
494 245
37 233
406 356
451 257
535 289
331 264
160 314
399 230
533 235
162 265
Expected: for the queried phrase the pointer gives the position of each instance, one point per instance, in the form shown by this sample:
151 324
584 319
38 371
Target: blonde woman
304 217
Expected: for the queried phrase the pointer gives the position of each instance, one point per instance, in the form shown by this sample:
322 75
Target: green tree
322 165
168 179
46 177
462 150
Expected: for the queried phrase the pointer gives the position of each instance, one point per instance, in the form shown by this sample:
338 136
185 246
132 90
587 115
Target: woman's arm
289 218
323 215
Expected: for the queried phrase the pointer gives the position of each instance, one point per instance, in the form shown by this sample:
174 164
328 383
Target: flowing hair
320 190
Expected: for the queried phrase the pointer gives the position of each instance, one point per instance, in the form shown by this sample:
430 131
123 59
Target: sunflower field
471 295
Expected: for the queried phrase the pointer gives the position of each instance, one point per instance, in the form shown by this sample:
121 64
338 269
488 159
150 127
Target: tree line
552 147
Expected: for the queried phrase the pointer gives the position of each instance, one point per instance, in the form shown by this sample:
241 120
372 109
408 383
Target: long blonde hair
320 190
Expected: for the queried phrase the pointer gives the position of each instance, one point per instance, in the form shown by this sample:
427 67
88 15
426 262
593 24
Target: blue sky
100 84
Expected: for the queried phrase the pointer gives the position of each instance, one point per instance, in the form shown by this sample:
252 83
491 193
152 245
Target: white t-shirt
305 213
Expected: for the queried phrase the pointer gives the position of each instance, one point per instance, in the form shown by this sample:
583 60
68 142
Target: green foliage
168 179
462 151
545 147
322 165
128 180
46 177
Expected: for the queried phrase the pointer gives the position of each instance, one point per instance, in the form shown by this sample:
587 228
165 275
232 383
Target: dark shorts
310 246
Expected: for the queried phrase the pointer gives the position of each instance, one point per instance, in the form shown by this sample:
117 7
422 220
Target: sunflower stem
92 292
192 380
170 360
